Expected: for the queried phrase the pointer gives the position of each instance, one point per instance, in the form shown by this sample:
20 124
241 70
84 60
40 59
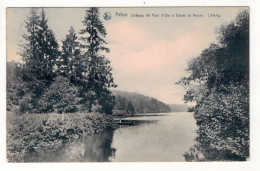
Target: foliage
31 134
39 49
218 83
14 87
69 64
60 97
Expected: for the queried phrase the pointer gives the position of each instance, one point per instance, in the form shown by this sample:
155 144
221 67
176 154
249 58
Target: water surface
165 138
152 137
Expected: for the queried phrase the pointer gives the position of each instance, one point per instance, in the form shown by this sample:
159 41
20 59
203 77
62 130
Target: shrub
60 97
30 134
223 120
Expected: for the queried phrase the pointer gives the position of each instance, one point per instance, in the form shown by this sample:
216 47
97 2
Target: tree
97 73
40 52
60 97
219 84
29 48
49 49
234 40
15 89
130 108
70 64
40 48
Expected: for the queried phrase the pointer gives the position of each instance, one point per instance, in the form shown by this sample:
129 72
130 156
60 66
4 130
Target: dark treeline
75 77
131 103
219 84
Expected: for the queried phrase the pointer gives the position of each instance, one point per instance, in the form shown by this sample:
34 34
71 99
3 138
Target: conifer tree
98 70
49 49
70 63
29 48
40 52
40 48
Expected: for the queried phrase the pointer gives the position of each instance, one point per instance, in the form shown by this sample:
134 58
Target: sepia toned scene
161 84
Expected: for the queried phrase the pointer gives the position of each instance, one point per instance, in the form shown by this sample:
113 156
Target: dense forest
219 84
131 103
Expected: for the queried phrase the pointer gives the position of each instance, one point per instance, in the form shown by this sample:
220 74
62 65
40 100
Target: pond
151 137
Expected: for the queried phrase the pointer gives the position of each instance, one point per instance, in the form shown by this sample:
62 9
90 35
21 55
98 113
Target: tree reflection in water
203 151
94 148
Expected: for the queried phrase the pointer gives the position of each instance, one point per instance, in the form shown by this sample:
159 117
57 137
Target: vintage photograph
132 84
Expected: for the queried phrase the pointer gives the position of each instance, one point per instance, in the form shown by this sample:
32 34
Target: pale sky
148 54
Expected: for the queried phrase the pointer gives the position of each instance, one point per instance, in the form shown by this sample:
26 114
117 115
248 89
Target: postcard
127 84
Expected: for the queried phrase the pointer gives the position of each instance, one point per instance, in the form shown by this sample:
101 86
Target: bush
31 133
60 97
223 120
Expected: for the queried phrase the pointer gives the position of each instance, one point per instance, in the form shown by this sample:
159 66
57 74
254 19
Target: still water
153 137
165 138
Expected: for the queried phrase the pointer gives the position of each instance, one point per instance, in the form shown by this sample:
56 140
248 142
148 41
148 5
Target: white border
253 164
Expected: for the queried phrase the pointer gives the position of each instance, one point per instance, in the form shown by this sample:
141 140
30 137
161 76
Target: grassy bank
31 133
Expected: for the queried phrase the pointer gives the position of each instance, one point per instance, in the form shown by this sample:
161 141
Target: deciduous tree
219 84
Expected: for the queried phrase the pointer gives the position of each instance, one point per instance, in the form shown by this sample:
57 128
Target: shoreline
47 132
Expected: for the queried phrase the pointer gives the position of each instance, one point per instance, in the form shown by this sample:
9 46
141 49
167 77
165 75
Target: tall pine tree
70 62
49 49
40 51
29 48
98 70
